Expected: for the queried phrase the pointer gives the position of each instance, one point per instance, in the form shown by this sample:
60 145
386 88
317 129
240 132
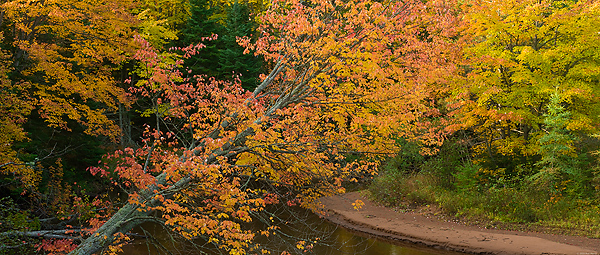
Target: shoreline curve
417 229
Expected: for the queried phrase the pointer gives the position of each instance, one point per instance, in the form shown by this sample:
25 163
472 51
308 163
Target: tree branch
61 234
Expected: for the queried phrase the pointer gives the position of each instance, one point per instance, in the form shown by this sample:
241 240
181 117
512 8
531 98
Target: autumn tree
62 76
13 113
67 51
348 78
161 21
521 53
343 71
65 60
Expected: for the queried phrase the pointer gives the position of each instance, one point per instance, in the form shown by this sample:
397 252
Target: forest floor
426 226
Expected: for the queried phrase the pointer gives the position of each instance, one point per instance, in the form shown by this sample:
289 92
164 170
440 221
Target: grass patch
462 194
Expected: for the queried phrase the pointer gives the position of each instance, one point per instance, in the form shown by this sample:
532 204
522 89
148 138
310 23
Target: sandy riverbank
417 228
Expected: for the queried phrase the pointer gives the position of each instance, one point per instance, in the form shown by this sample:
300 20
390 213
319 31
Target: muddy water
295 226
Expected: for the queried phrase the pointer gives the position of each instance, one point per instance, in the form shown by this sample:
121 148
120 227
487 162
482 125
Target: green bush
494 195
466 177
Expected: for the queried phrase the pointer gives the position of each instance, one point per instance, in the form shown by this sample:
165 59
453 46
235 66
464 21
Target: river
300 225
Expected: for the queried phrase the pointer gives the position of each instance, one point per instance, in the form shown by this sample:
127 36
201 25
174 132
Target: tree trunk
125 219
122 222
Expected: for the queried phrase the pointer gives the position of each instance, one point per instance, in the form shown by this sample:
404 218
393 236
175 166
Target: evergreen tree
556 145
202 24
232 60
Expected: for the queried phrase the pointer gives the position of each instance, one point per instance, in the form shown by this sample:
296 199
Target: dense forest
201 116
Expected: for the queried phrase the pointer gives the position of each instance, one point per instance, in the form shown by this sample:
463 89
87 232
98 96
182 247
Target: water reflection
296 225
351 243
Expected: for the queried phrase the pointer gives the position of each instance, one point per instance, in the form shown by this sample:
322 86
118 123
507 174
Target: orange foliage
349 78
375 71
56 246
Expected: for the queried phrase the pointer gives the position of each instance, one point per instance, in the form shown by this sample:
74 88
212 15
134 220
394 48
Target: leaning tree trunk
125 219
128 217
122 222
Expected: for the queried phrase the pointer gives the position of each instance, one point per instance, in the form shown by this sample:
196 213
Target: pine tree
232 60
556 145
202 24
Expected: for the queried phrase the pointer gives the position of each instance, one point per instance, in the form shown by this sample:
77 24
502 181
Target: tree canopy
522 52
197 140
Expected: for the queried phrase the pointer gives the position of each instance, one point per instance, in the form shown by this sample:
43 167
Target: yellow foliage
358 204
521 52
68 51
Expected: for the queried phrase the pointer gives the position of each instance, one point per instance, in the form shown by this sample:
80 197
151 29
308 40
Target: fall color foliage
66 52
221 154
347 85
521 53
523 146
13 112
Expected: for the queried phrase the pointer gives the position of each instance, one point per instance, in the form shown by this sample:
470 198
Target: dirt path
419 229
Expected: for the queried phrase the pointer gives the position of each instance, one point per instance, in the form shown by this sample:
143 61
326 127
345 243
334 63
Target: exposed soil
419 227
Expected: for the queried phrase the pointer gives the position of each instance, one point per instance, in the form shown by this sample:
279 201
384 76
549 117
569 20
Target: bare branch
61 234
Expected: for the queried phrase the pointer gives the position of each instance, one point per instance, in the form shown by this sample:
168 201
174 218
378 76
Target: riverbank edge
401 240
382 222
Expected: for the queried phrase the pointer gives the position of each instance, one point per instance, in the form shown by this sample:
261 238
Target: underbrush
491 207
456 186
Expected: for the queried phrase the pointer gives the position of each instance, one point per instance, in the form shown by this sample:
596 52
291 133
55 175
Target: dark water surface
298 225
